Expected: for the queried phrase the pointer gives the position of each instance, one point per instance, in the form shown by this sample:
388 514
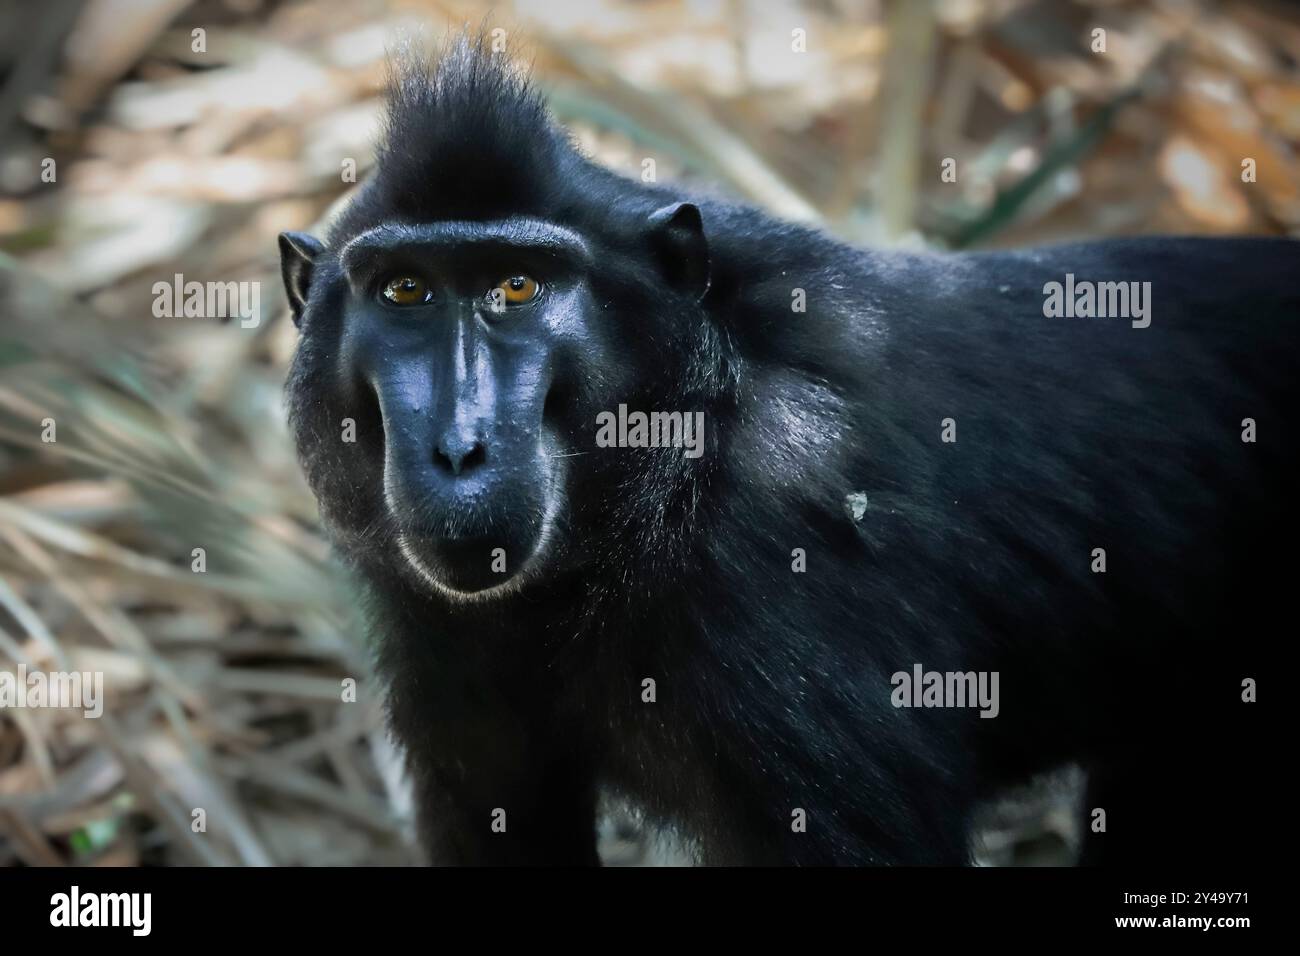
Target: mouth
467 569
467 562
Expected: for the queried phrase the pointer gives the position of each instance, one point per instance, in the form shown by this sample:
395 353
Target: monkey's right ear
298 253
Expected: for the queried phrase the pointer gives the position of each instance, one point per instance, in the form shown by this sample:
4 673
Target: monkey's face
446 389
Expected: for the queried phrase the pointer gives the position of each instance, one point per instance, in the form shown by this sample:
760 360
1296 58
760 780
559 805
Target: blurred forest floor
223 687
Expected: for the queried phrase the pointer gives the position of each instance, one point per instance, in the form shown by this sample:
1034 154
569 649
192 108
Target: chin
457 570
461 569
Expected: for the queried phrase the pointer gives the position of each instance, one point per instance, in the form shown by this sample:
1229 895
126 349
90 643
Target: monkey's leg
537 812
860 816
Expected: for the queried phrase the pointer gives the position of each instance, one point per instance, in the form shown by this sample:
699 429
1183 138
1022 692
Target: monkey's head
482 300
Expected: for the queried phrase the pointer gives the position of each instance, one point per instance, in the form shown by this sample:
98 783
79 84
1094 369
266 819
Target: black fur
774 687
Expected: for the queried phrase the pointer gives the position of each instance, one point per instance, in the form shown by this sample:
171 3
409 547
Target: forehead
512 233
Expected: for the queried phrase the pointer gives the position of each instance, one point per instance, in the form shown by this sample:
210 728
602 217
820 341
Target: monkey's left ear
298 253
677 232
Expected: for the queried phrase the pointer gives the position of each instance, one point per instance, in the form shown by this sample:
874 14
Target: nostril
458 459
477 456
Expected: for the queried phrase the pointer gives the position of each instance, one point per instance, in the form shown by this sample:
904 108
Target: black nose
459 456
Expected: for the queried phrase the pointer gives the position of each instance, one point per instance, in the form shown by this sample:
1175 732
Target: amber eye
515 290
406 290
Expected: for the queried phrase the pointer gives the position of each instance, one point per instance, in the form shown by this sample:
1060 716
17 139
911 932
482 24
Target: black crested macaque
947 520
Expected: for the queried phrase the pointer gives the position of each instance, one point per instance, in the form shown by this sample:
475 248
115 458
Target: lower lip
429 536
